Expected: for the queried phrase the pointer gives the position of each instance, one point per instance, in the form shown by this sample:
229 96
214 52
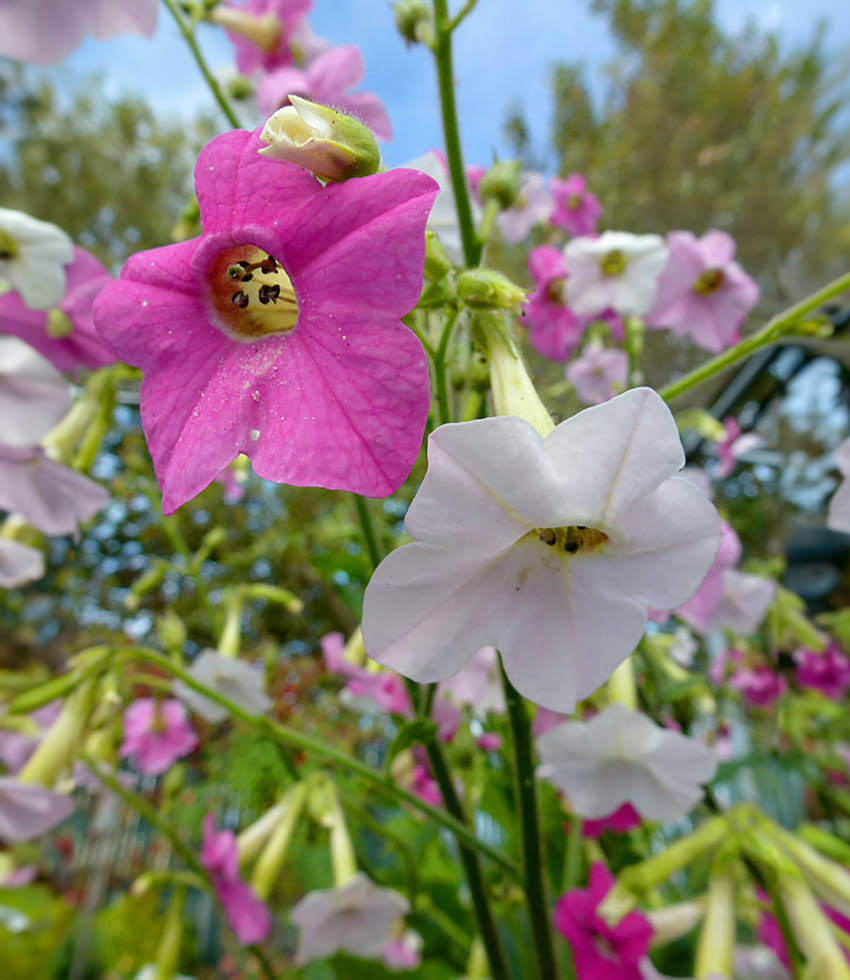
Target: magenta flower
827 672
760 687
65 335
553 329
249 918
262 31
327 80
600 951
701 606
624 818
576 209
156 734
425 787
599 374
42 32
277 332
702 292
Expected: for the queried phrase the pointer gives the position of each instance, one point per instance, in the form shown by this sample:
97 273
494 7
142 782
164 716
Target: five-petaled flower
277 332
156 734
550 549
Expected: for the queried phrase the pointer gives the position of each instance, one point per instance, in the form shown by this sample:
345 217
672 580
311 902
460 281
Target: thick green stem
215 88
445 78
776 328
474 875
533 860
298 740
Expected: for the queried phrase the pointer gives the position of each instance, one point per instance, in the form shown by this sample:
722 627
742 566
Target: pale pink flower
249 917
838 517
545 720
386 689
549 549
34 397
702 292
489 742
576 209
277 333
553 329
263 32
599 374
80 347
700 608
478 684
42 32
532 207
51 497
28 810
156 734
733 446
425 786
827 672
19 564
327 80
19 877
403 952
760 686
602 951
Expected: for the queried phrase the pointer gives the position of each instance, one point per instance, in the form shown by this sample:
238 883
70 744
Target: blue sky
504 53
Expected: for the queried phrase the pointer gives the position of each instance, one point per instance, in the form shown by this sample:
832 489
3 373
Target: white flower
443 217
838 517
235 680
34 397
621 756
550 549
616 270
358 918
19 563
33 256
28 810
744 602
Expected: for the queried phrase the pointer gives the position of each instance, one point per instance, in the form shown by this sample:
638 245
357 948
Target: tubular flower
156 734
276 333
550 549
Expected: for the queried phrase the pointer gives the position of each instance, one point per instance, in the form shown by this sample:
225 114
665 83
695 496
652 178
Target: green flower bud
716 946
329 143
241 88
501 183
488 289
437 261
414 21
268 867
812 930
59 324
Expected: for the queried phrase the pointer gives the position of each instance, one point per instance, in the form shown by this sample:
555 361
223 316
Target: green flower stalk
673 921
228 643
59 746
268 867
830 881
168 951
621 685
253 838
813 931
716 946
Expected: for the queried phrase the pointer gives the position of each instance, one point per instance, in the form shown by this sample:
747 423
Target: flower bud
241 88
673 921
332 145
812 930
501 183
58 747
59 324
171 631
265 32
716 946
437 261
414 21
488 289
270 862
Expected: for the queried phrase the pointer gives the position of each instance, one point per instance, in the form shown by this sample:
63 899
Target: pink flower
276 333
157 734
403 952
545 720
553 329
576 209
327 80
249 918
827 672
733 447
262 31
600 951
19 564
42 32
81 347
19 877
702 292
699 609
532 207
599 373
622 819
474 173
489 742
386 689
761 687
28 810
425 787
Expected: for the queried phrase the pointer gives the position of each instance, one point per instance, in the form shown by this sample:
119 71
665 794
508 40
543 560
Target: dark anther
269 294
581 527
572 547
5 255
234 272
240 299
548 536
268 265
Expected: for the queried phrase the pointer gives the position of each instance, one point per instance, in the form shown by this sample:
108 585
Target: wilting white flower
550 549
443 217
621 756
28 810
19 564
838 517
34 396
616 270
234 679
33 256
358 918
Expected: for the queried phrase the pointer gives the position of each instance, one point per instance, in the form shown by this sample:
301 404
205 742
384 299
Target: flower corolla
34 397
156 734
576 209
33 256
599 374
239 682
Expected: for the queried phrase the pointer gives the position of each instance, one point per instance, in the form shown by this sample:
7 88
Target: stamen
572 539
613 263
264 304
708 281
240 299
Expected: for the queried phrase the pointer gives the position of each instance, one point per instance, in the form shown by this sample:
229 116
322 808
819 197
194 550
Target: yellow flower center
8 246
573 539
708 281
252 296
573 202
613 263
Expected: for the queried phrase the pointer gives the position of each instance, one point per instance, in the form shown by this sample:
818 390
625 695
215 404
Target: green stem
533 861
572 861
770 333
368 529
462 14
439 360
150 815
474 875
305 743
491 212
445 78
215 88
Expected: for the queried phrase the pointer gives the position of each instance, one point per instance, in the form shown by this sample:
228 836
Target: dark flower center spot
708 281
573 539
555 290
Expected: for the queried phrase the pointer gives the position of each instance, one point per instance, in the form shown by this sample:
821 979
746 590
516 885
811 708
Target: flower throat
252 295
